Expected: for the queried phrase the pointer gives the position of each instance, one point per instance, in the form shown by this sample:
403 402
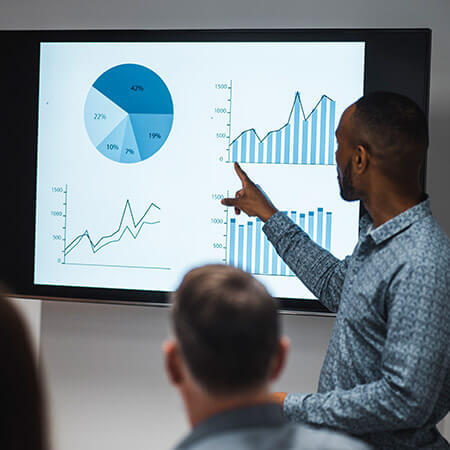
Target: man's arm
415 363
319 270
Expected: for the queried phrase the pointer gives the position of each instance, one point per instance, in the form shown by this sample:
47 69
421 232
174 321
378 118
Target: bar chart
250 250
306 140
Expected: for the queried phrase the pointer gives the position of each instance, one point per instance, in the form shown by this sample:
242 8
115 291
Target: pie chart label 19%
128 113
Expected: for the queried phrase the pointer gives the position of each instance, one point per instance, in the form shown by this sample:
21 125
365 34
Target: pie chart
128 113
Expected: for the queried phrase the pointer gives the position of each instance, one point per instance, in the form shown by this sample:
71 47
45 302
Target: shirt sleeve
415 362
318 269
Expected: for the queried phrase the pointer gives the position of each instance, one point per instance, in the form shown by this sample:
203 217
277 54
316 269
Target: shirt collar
247 417
398 223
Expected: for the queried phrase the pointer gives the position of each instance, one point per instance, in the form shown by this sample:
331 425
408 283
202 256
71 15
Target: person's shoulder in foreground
23 425
263 427
226 352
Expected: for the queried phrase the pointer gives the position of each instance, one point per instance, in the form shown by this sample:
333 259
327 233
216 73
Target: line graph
303 139
134 229
127 225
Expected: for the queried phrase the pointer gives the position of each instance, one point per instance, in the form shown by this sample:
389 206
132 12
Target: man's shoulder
429 244
424 244
287 436
429 229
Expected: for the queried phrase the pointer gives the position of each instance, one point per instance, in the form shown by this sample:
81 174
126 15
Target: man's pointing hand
251 198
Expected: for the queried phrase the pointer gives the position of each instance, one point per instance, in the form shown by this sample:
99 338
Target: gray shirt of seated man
226 352
262 427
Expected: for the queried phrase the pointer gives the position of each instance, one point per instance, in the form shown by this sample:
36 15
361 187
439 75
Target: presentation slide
136 144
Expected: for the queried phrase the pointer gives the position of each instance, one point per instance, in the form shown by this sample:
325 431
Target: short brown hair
227 327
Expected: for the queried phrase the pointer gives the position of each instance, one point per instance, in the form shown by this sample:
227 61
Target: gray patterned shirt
386 374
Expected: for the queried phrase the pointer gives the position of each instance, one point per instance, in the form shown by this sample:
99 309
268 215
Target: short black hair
227 327
396 132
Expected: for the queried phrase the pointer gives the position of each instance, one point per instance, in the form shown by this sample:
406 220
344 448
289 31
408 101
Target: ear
360 159
173 362
280 358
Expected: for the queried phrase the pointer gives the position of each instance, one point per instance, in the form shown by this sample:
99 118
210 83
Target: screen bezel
395 59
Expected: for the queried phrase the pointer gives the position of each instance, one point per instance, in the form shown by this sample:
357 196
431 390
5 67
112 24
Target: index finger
231 201
241 174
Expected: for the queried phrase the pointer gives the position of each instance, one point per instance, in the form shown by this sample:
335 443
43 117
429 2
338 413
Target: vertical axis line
229 119
226 234
65 225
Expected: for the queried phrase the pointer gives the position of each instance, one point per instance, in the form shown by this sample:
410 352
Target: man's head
227 335
383 136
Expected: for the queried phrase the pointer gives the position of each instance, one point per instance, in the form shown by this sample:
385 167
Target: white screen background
182 177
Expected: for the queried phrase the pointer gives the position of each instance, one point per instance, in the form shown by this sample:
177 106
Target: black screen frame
396 60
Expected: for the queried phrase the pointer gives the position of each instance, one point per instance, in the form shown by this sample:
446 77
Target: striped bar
323 123
269 147
252 147
266 255
260 152
305 143
274 262
311 224
234 155
287 137
278 148
302 222
244 147
294 219
258 246
313 137
240 261
331 132
283 266
328 232
249 245
232 241
296 128
319 226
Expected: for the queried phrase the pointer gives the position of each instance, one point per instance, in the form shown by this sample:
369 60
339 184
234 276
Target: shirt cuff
293 408
276 226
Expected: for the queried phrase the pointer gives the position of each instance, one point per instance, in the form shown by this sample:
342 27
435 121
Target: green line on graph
134 230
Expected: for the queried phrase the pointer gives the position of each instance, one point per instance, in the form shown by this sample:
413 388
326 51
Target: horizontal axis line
117 265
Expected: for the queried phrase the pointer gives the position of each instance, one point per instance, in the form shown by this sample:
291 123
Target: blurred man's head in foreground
227 345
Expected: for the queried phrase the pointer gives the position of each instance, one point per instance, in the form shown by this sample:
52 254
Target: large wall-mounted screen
135 136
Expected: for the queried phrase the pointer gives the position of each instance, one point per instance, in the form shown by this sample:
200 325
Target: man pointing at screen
386 375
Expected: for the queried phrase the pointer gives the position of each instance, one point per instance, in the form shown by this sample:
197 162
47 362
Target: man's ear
280 358
360 159
172 362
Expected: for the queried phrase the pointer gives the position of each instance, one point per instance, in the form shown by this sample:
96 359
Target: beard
346 186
